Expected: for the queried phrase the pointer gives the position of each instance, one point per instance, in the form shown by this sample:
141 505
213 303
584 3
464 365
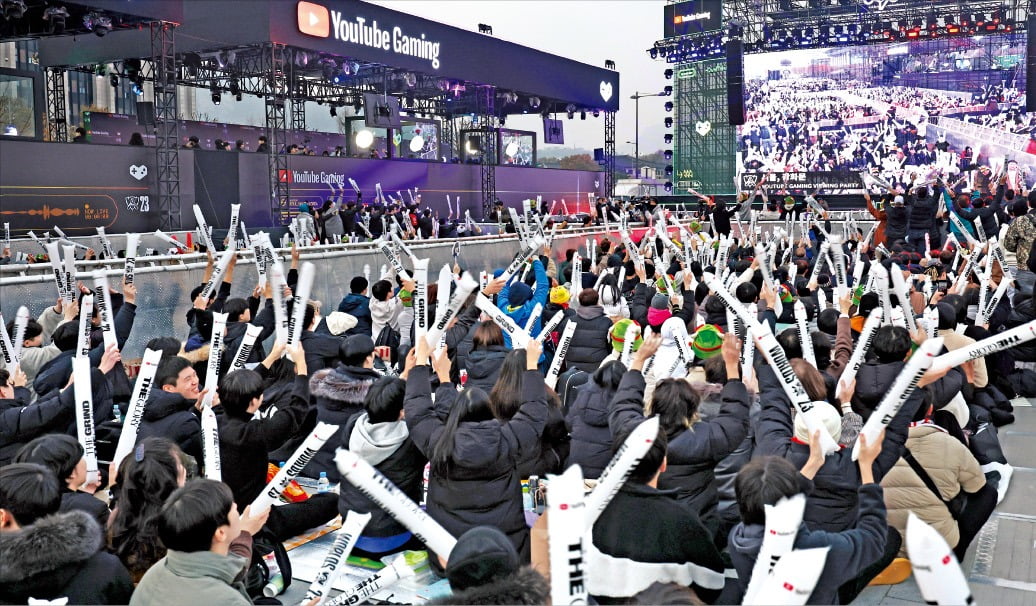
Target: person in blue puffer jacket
517 299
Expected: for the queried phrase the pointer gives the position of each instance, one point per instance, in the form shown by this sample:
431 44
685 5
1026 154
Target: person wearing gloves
474 457
766 480
695 447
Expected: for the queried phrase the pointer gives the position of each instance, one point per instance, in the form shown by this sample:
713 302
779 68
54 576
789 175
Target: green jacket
1019 238
200 577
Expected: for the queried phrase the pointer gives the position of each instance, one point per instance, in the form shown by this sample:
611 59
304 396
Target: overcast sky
590 32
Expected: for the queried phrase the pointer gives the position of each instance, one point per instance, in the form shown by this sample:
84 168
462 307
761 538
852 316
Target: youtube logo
314 20
284 176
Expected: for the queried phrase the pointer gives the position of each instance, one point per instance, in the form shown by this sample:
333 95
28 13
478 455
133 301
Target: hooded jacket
321 350
384 313
481 486
358 306
339 393
590 342
388 448
693 452
520 313
170 415
950 465
832 506
61 556
851 550
591 446
483 366
207 577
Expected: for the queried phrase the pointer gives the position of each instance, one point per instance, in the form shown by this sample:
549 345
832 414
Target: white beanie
828 415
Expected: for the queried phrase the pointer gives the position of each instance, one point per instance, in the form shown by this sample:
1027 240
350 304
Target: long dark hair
471 406
146 478
506 397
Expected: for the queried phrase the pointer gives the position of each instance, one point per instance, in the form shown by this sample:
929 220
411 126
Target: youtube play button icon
314 20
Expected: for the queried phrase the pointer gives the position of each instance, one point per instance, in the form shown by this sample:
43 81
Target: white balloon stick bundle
519 338
550 326
132 241
54 255
420 299
682 342
209 427
577 272
216 279
103 301
21 323
805 338
278 282
294 466
82 391
106 244
219 327
345 541
638 260
464 289
637 444
137 403
244 351
386 495
527 253
881 286
387 249
748 353
366 588
783 521
7 235
794 577
979 230
838 255
565 522
903 294
400 245
870 326
629 339
935 567
822 302
897 395
819 261
1001 289
86 311
559 356
235 213
537 310
69 270
442 296
959 224
778 360
998 342
203 228
301 299
931 321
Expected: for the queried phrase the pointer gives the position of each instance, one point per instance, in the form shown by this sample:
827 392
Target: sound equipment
736 82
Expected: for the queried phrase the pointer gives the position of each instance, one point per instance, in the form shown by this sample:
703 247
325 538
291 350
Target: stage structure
701 37
348 54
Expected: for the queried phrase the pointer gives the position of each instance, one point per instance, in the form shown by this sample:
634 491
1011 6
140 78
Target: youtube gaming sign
692 17
376 34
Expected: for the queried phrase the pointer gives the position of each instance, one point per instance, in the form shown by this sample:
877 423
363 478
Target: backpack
258 573
389 337
567 384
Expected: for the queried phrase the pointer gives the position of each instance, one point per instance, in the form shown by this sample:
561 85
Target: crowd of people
460 424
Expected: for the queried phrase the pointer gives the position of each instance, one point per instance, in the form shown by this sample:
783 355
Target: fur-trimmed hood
196 355
523 587
49 552
340 391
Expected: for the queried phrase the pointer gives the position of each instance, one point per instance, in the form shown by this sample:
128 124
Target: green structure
705 149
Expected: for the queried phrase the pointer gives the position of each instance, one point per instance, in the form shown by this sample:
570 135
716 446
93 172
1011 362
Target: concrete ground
1000 565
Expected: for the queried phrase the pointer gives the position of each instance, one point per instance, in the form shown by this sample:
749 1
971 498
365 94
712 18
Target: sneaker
894 574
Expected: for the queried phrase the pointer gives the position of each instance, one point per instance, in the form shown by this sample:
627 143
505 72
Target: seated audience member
487 355
173 407
209 546
63 455
767 480
666 543
588 416
48 556
145 479
484 568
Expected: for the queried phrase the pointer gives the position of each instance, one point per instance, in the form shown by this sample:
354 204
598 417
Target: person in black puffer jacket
590 343
923 206
379 436
898 221
339 393
486 357
695 447
474 479
171 410
591 446
1024 311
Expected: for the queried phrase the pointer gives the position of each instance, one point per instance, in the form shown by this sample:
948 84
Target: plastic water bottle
117 413
323 485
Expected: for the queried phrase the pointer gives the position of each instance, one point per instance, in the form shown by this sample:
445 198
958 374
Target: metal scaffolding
487 121
275 90
57 116
609 153
167 144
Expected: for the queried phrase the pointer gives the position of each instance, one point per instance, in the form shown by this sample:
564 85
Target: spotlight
138 88
192 61
410 79
217 97
668 106
485 29
114 79
235 87
582 115
238 97
534 102
653 52
364 139
15 9
668 186
668 154
667 91
596 113
357 105
668 74
417 143
668 137
55 16
93 22
609 64
668 169
668 122
334 111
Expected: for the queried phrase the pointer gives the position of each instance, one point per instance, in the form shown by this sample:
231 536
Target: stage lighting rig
93 21
14 9
55 16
